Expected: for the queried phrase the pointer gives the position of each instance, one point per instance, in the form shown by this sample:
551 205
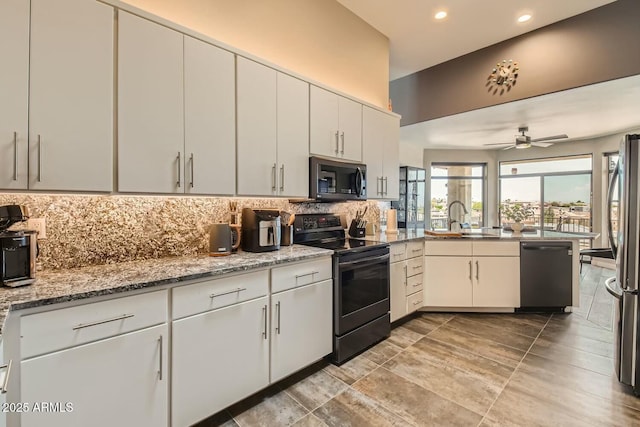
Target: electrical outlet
39 225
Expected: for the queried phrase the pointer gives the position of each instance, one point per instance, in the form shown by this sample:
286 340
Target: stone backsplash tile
102 229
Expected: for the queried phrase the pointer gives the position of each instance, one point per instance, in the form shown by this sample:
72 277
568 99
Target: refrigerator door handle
608 285
612 239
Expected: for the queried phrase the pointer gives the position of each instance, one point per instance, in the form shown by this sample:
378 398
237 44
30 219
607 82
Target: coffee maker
18 249
260 230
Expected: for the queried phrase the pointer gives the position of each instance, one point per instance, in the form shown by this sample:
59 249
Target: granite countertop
404 235
56 286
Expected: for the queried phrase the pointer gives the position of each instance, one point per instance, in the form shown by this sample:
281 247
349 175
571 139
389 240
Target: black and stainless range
360 283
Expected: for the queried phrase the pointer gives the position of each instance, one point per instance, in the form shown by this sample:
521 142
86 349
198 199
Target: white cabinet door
71 96
350 125
256 99
373 136
324 137
120 381
398 294
293 136
380 139
496 282
448 281
150 107
301 327
210 116
14 87
218 358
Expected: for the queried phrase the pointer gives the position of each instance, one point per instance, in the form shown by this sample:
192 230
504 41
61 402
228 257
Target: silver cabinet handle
15 156
470 270
282 177
415 285
39 158
278 317
306 274
179 169
342 138
337 143
191 163
477 271
264 316
415 267
416 250
5 383
100 322
273 177
417 302
377 185
386 185
227 293
160 362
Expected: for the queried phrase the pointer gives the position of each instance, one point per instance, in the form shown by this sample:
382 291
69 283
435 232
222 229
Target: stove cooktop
347 244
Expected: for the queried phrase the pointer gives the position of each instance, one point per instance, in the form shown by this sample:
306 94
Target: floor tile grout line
488 339
514 372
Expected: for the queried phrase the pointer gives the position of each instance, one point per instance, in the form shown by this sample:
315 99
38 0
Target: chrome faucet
452 221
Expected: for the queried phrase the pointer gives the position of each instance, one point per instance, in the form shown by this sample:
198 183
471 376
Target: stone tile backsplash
102 229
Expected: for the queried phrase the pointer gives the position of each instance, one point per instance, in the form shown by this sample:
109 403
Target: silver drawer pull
417 302
5 383
416 250
160 361
15 156
415 285
415 267
227 293
306 274
100 322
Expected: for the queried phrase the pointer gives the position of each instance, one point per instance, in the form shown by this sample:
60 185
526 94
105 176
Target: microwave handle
359 182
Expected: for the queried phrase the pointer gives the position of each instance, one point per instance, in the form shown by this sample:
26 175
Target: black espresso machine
18 249
260 230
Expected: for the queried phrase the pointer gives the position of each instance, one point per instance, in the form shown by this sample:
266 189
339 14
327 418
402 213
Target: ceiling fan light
524 18
523 145
440 15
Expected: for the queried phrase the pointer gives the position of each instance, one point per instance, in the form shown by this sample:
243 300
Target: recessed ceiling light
440 15
524 18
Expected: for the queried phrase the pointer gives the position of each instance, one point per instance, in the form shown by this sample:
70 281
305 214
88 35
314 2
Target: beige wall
411 155
319 39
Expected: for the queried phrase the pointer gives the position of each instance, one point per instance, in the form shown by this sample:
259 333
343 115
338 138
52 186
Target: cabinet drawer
414 284
398 252
496 248
212 294
300 274
415 249
414 266
447 247
69 327
414 302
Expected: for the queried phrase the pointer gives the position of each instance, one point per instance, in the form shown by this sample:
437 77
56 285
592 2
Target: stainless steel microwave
331 181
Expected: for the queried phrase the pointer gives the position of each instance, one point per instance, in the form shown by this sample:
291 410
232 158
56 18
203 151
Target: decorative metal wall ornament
503 76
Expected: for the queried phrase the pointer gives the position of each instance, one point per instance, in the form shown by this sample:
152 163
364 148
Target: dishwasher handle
545 248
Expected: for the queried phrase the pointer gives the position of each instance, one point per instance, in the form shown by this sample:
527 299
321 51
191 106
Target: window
456 188
611 160
557 189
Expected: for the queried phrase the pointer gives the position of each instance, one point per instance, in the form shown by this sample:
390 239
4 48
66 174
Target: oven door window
363 283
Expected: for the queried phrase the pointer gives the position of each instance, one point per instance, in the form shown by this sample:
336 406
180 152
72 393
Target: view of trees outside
559 199
612 162
463 183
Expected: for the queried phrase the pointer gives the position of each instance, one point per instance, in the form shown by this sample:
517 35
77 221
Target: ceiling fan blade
541 144
500 143
509 148
550 138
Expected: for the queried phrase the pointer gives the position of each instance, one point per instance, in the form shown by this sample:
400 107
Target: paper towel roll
392 221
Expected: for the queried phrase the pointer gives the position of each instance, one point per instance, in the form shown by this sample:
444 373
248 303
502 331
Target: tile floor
464 370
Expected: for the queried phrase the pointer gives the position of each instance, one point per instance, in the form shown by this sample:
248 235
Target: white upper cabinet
273 132
293 136
71 96
150 107
210 116
257 152
14 87
335 125
380 139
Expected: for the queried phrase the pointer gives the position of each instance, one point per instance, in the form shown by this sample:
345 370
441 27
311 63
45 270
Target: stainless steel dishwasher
545 275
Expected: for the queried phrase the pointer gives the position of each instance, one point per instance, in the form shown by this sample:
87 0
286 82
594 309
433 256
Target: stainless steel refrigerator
626 249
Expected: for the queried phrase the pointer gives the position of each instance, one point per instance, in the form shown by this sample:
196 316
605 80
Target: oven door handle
353 264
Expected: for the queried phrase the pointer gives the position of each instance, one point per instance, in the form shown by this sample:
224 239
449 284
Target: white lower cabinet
120 381
219 357
406 278
472 274
301 327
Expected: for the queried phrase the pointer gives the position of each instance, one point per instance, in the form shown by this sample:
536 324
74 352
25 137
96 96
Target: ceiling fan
525 141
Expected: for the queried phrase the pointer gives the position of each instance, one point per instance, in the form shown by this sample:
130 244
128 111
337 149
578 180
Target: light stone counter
485 233
57 286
